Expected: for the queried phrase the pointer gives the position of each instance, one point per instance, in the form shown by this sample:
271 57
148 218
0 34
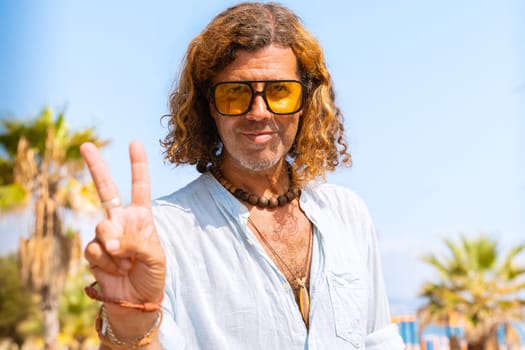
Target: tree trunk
476 346
455 343
49 308
492 343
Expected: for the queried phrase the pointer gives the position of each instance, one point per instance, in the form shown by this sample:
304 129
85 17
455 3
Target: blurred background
433 95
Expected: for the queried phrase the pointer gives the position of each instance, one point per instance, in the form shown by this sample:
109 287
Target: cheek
224 126
292 127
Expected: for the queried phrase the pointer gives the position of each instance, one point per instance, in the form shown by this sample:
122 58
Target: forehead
269 63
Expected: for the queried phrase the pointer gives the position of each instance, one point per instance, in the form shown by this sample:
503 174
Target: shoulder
338 203
195 190
332 190
184 213
184 206
336 196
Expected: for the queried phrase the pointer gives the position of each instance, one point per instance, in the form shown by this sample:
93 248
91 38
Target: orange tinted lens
232 98
284 97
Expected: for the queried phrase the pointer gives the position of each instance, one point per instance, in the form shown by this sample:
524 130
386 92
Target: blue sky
433 95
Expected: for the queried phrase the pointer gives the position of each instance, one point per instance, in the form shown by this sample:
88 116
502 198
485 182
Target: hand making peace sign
125 256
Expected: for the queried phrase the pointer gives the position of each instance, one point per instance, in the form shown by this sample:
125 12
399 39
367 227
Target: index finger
106 188
140 184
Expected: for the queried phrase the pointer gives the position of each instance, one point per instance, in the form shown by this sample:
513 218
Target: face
258 140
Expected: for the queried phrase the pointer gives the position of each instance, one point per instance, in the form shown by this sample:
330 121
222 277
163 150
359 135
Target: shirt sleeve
387 338
381 332
171 335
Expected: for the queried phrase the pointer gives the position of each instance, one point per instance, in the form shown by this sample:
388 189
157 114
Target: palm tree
477 287
42 169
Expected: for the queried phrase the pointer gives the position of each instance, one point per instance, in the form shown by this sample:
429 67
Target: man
256 253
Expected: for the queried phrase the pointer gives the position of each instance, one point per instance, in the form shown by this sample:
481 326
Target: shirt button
286 286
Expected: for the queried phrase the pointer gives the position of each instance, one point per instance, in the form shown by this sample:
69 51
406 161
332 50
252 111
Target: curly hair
319 145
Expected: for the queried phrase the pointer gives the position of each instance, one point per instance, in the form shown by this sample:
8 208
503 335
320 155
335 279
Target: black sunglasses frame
256 93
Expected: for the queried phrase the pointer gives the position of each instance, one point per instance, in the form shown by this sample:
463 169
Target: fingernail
112 245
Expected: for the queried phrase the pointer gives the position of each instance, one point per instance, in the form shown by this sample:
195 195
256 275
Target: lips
258 136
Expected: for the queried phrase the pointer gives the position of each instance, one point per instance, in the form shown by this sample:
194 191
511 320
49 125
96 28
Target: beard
252 163
260 165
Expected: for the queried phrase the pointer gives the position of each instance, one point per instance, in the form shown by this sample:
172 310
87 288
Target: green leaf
6 171
12 196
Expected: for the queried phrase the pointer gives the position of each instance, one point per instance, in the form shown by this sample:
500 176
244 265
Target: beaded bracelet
107 336
146 307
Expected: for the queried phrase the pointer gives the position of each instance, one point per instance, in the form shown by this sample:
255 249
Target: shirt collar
224 198
310 202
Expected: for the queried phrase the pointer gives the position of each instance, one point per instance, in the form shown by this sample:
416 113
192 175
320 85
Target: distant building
511 336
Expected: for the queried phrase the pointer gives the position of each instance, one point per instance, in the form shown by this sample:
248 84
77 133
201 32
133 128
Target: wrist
124 329
93 292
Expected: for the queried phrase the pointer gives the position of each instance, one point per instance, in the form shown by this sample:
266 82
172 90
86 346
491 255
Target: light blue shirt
224 292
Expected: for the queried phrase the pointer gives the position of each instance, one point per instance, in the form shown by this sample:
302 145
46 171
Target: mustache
259 127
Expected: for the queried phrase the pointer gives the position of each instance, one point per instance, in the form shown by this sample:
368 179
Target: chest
287 240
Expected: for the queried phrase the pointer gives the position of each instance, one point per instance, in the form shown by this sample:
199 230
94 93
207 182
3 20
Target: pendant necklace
304 297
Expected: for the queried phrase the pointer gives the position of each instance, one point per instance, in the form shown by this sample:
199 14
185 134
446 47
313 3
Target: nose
259 110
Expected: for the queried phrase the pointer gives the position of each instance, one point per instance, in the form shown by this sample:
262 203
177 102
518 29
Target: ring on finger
112 203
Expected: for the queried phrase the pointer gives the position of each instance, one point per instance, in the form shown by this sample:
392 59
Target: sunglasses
235 98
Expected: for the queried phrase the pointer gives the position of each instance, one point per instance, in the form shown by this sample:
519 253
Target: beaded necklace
260 201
